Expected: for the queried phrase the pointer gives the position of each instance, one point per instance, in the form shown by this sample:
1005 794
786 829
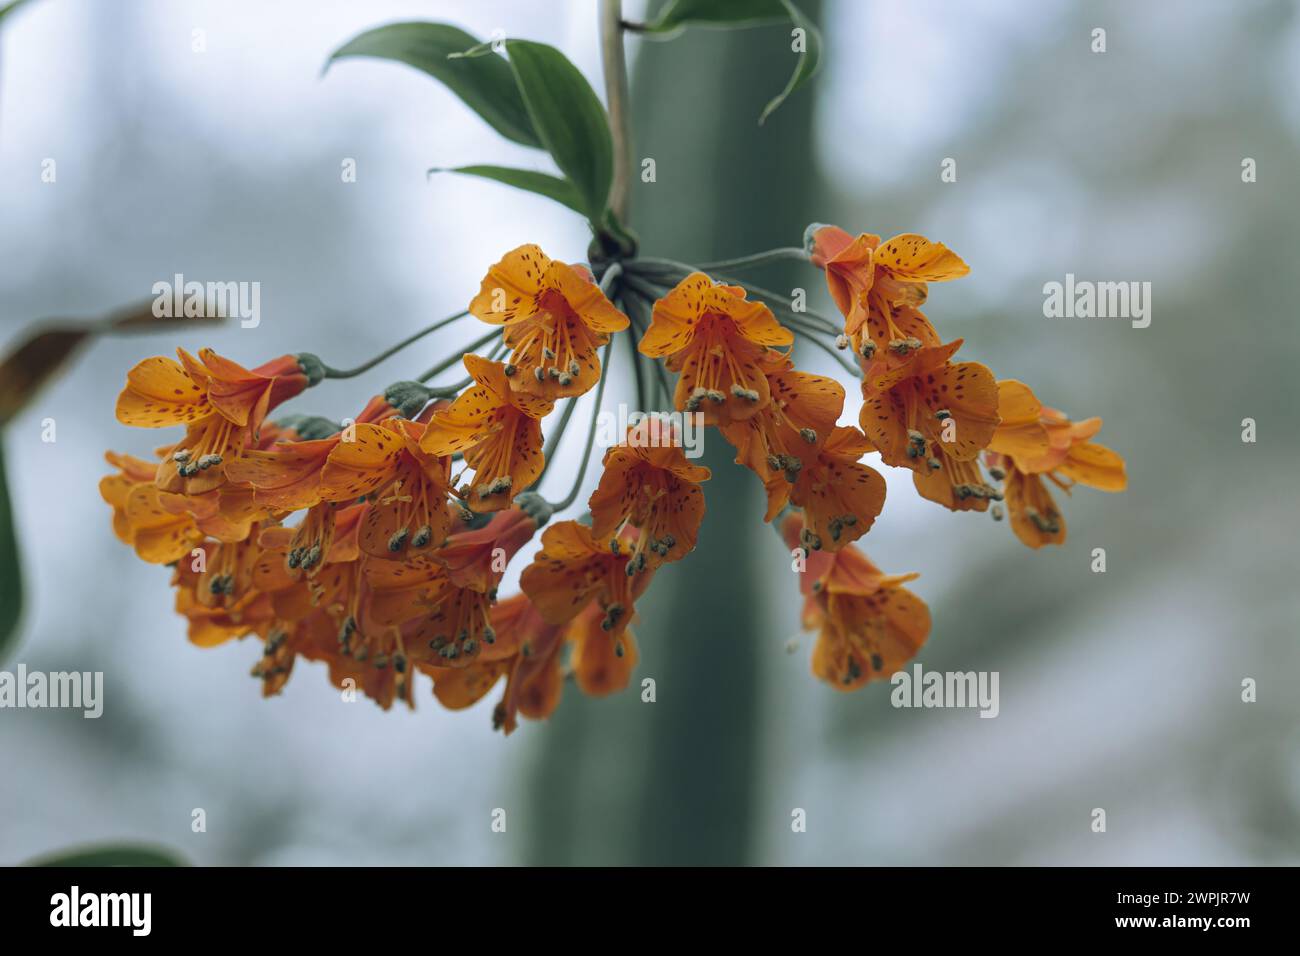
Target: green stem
635 355
388 353
639 314
757 259
572 496
449 362
553 441
614 62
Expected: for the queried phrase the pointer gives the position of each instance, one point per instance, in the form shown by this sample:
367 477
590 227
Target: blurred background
1119 690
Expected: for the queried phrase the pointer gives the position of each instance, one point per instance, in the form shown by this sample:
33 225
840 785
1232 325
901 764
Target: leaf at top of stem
543 184
810 58
484 83
569 120
677 15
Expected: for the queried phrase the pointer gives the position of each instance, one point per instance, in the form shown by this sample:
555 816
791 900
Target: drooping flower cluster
377 547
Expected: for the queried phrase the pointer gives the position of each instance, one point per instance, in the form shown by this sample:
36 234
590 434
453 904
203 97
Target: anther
808 435
422 537
397 540
510 370
841 341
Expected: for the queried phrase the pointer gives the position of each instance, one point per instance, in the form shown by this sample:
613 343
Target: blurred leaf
809 60
568 118
544 184
484 83
111 855
44 352
678 14
35 361
11 572
9 8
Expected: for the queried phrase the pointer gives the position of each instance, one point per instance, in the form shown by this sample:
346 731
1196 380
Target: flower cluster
377 546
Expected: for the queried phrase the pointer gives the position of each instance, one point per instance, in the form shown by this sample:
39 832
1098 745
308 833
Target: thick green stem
614 61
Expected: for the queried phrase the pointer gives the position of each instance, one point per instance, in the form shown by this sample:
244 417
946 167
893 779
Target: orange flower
794 426
555 318
1070 458
928 399
286 475
497 429
601 663
216 593
535 675
459 687
841 497
410 486
229 511
221 403
648 483
140 519
872 281
441 622
313 638
716 339
868 624
574 568
477 558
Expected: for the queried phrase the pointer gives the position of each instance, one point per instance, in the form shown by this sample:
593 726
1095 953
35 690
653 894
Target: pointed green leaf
544 184
569 120
734 14
810 58
484 83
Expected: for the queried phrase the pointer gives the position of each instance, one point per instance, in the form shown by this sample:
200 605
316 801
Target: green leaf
11 572
111 855
678 14
732 14
484 83
569 120
544 184
810 59
9 8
